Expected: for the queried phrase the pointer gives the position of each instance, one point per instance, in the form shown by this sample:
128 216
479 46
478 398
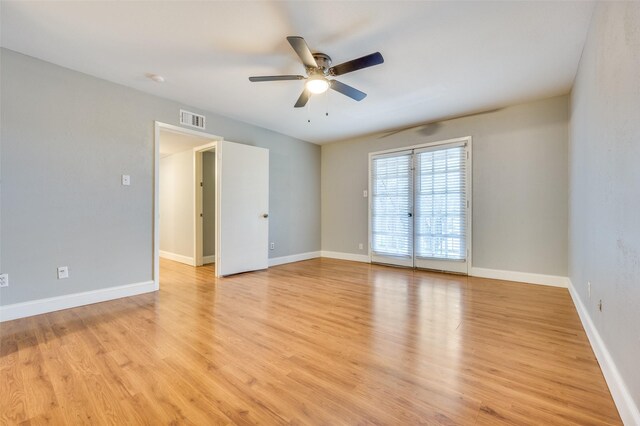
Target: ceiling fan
318 68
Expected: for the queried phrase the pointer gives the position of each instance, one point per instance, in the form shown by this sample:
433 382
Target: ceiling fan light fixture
317 67
317 84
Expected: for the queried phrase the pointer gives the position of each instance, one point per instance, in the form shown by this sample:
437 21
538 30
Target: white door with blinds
391 208
420 206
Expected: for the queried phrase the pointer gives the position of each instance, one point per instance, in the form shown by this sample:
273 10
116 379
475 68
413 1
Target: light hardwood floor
316 342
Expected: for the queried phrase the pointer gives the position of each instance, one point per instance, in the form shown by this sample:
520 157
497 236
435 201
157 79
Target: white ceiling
442 59
173 143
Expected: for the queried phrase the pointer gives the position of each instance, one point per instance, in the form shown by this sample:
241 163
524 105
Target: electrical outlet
365 193
589 289
272 246
4 280
126 180
63 272
361 246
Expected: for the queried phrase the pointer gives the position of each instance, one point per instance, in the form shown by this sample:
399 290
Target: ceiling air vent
191 119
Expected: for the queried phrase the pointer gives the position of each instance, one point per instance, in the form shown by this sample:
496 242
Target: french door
420 206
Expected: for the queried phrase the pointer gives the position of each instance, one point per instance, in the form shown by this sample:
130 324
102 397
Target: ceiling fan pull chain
308 112
327 111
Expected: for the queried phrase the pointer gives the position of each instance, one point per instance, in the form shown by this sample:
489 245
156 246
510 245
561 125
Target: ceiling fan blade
301 48
276 78
303 99
357 64
347 90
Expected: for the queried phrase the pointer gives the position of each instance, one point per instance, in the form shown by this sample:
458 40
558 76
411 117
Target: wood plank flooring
316 342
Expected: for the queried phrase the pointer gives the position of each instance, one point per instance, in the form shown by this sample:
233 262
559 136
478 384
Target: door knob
265 215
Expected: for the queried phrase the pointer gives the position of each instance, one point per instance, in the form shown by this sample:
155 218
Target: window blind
440 204
391 226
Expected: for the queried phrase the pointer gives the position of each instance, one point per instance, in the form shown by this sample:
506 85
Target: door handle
265 215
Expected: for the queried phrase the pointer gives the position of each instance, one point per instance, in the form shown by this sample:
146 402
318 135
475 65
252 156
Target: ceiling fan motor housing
323 61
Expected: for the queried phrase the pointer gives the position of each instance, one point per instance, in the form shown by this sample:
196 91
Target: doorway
185 161
239 194
420 206
205 205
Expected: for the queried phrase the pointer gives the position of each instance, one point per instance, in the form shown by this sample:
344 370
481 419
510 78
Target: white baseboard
177 257
51 304
209 259
629 411
346 256
523 277
293 258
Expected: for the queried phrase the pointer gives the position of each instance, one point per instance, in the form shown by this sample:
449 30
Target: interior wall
177 204
208 203
604 154
67 138
519 185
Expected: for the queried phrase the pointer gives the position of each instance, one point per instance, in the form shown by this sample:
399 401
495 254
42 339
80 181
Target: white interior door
243 207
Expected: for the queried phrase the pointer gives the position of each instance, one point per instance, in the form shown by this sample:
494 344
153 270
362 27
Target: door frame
469 177
158 126
198 256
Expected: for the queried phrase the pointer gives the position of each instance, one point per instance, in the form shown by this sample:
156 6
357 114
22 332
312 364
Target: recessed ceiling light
155 77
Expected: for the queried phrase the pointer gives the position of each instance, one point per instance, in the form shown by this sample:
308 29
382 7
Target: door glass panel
440 204
391 198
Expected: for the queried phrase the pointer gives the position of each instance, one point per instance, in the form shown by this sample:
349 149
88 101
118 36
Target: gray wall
604 159
177 204
519 185
66 139
208 203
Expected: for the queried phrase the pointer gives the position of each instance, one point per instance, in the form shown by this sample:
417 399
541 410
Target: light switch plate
126 180
63 272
